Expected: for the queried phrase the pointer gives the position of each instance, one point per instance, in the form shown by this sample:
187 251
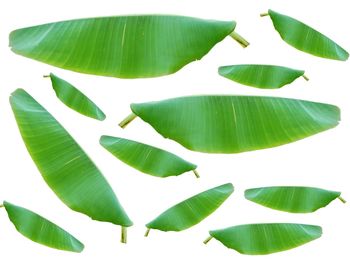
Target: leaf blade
41 230
146 158
192 210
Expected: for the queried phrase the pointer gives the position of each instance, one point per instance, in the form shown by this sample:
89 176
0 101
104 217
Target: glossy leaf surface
40 230
233 124
261 76
294 199
305 38
63 164
262 239
75 99
121 46
192 210
146 158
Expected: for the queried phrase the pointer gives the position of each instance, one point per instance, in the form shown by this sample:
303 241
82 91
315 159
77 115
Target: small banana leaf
233 124
75 99
305 38
41 230
63 164
262 239
293 199
139 46
146 158
261 76
192 210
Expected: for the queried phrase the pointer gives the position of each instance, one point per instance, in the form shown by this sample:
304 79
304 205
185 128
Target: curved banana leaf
233 124
40 230
146 158
121 46
305 38
294 199
75 99
192 210
261 76
262 239
63 164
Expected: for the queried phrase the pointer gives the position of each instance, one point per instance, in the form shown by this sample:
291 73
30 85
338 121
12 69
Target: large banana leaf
41 230
294 199
122 46
63 164
192 210
75 99
233 124
261 76
146 158
262 239
305 38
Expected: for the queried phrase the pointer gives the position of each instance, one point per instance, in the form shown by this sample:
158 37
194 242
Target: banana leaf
139 46
63 164
41 230
192 210
146 158
293 199
262 239
305 38
75 99
233 124
261 76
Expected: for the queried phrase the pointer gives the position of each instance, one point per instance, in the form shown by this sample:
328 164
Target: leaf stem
342 199
244 43
207 240
147 232
264 14
306 77
46 76
124 235
127 120
196 173
1 205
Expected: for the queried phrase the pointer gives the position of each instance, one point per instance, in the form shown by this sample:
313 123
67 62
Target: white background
321 160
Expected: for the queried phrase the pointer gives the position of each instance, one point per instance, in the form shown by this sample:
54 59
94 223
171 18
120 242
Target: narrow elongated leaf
122 46
146 158
294 199
233 124
261 76
75 99
63 164
192 210
305 38
41 230
262 239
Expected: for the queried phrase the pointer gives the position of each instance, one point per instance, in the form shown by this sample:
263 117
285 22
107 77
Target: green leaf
75 99
305 38
261 76
63 164
40 230
146 158
233 124
192 210
294 199
122 46
262 239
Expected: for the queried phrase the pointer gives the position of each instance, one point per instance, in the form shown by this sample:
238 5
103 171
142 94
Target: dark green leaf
40 230
294 199
192 210
262 239
75 99
146 158
305 38
261 76
233 124
122 46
